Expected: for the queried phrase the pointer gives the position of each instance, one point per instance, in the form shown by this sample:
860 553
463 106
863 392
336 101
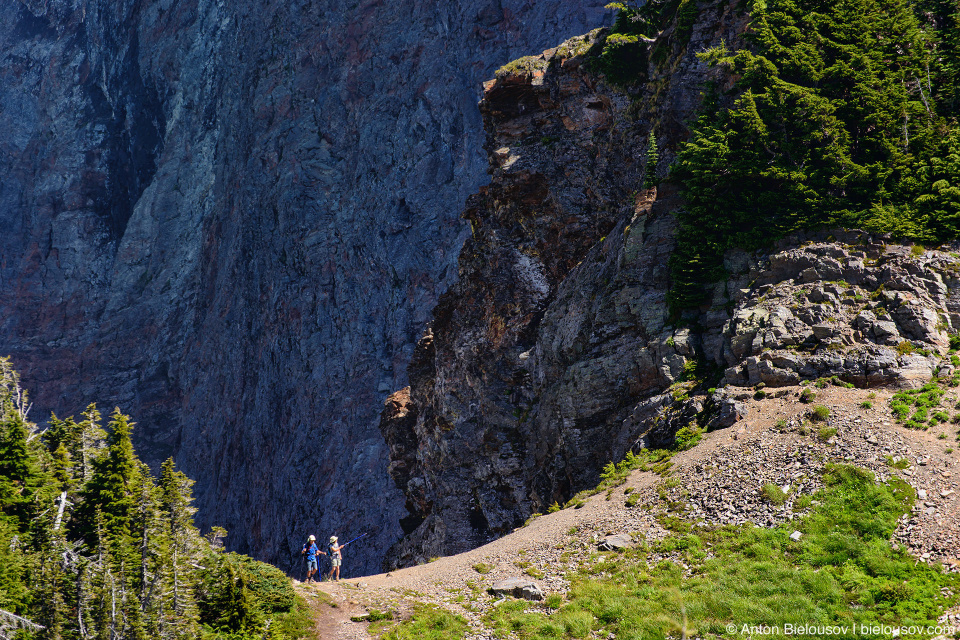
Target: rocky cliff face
232 220
555 352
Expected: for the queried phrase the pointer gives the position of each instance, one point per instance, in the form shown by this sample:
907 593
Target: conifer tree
14 595
88 442
834 123
653 157
92 548
62 441
24 481
112 487
183 548
238 612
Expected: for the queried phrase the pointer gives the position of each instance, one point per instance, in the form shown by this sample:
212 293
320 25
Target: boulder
886 332
517 588
731 412
616 542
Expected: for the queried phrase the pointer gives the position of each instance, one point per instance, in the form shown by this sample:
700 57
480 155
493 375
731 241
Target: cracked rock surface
232 219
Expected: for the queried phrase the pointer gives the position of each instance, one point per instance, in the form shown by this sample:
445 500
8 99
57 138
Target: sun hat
312 537
333 538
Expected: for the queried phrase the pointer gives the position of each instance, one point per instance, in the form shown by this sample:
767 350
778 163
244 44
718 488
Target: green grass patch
373 615
819 413
429 622
912 406
897 463
774 494
688 437
825 433
615 474
483 568
842 571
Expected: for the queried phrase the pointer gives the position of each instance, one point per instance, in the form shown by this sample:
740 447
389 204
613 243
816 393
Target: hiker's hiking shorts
335 560
312 563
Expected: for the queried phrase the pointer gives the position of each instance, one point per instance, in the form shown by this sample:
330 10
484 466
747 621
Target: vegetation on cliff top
844 115
93 547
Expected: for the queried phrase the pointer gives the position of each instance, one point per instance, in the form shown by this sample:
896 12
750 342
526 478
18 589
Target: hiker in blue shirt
310 550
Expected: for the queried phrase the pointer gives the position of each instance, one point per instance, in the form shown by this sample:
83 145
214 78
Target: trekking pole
354 540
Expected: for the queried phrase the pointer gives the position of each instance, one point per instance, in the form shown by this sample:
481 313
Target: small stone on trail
796 535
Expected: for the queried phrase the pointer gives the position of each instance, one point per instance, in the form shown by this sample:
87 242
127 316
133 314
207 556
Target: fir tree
183 548
834 123
112 487
653 157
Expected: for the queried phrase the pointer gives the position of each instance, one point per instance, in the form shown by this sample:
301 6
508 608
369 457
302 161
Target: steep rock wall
555 351
231 219
520 391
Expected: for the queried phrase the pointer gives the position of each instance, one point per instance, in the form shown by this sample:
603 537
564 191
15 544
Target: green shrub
905 348
269 585
687 437
622 58
774 494
825 433
866 404
807 395
483 568
900 411
819 413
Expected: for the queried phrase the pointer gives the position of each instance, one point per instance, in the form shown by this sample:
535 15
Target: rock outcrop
232 220
845 304
529 380
556 351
